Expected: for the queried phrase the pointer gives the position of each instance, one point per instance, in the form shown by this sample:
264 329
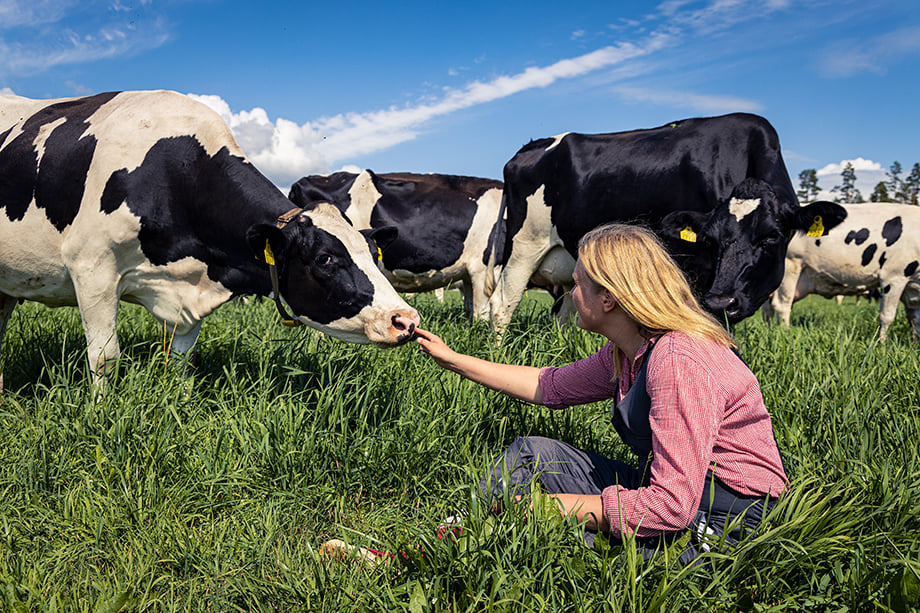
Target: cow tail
495 252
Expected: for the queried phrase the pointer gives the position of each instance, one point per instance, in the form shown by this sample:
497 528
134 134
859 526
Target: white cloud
700 102
285 151
6 91
868 174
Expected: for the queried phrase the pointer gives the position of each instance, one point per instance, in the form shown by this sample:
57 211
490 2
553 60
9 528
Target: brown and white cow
877 246
146 197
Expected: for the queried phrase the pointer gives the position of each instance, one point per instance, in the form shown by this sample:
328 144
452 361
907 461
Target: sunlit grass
214 492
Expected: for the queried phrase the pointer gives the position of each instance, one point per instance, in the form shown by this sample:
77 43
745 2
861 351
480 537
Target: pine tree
895 183
912 184
847 192
880 193
808 184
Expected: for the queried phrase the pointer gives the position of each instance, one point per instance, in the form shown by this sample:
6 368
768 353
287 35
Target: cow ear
297 194
379 239
683 225
817 218
384 236
267 242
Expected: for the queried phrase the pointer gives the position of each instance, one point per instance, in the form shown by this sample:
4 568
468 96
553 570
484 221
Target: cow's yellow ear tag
687 234
269 255
817 227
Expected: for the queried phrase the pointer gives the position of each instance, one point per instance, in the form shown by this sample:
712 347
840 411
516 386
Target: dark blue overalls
561 468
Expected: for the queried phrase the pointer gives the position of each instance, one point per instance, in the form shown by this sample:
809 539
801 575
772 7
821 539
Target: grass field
214 493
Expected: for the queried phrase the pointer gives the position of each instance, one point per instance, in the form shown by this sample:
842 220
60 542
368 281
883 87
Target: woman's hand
432 344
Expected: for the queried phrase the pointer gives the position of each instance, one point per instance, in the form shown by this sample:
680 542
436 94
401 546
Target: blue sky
459 87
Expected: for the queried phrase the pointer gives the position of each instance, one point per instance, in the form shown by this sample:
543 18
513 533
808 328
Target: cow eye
323 259
774 238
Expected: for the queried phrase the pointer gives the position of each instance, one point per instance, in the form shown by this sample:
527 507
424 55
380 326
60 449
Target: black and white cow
715 189
146 197
443 222
877 246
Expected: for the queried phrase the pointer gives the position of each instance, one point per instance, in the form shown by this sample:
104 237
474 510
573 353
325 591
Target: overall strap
630 417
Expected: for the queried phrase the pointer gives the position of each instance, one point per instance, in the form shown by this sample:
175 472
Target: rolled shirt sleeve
581 382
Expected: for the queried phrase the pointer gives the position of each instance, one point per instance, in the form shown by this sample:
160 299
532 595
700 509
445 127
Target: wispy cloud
701 102
36 35
285 150
850 57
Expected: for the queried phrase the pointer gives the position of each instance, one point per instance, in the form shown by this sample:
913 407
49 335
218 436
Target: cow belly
408 281
833 282
31 265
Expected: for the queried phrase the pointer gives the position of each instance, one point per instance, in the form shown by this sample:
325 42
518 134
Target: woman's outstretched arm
522 382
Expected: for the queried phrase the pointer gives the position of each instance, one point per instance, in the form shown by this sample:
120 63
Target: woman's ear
610 302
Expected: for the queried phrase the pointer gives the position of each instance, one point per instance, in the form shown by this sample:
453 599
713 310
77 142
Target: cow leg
182 347
785 294
888 308
512 283
767 311
102 349
566 310
97 299
911 299
7 304
479 300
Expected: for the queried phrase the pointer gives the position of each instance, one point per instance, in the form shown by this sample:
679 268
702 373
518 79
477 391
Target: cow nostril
403 323
722 303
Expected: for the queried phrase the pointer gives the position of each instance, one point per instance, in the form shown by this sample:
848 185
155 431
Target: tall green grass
213 493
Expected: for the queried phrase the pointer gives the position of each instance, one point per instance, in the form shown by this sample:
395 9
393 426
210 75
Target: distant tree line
895 189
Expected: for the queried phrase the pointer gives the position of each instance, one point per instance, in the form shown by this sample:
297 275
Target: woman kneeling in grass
683 401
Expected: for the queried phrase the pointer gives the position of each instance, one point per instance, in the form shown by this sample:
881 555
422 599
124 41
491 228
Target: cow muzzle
723 306
394 328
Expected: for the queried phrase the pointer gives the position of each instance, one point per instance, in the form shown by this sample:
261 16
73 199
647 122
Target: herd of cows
146 197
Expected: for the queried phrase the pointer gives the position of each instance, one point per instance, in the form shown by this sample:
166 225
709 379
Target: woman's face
589 300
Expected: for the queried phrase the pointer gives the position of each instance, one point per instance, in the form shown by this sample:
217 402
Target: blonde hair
632 264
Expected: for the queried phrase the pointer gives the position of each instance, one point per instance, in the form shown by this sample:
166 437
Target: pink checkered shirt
707 412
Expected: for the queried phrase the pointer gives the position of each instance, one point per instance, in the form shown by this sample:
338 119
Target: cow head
746 239
329 277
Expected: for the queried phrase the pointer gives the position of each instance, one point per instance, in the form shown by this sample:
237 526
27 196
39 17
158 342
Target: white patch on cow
130 129
43 133
556 140
742 208
536 238
364 196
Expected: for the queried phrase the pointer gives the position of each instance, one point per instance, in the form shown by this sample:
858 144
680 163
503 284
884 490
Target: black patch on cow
882 259
58 180
321 266
911 268
857 237
817 242
891 231
194 205
868 254
433 213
